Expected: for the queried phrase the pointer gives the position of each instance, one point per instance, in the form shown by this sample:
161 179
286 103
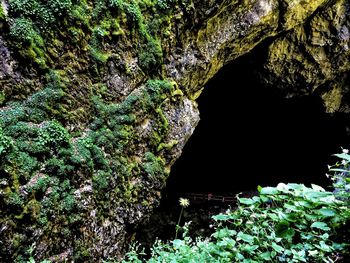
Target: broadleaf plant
286 223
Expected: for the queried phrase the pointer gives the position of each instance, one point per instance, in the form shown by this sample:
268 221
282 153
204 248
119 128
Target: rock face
314 57
97 101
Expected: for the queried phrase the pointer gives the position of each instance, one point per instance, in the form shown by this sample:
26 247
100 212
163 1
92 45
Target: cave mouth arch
248 135
251 135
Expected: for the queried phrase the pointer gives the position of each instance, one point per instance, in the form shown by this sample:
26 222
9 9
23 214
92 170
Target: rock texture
314 56
97 101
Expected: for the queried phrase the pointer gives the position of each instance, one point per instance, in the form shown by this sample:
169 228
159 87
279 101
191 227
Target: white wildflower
184 202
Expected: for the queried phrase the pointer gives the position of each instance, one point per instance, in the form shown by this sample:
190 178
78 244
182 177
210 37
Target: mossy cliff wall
97 100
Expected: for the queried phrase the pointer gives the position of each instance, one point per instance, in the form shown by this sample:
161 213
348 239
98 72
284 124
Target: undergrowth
286 223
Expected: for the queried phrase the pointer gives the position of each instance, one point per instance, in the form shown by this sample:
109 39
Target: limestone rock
314 57
97 101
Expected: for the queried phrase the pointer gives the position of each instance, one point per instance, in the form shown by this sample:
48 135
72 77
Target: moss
101 180
2 13
31 211
150 57
40 154
45 156
167 146
154 166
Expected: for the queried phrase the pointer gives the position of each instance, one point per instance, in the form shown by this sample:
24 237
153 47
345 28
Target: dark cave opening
251 135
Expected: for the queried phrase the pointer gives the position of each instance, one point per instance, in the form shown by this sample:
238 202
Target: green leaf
245 237
246 201
274 217
343 156
292 217
291 207
317 188
277 248
323 246
284 230
225 232
282 187
249 248
313 253
296 186
221 217
325 236
256 199
239 256
304 204
177 243
339 170
2 149
327 212
320 225
269 191
259 188
319 196
265 256
265 199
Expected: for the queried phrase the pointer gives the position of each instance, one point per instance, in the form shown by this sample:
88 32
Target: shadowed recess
251 135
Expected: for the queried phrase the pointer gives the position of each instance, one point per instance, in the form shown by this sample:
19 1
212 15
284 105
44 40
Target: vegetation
42 164
287 223
45 159
35 23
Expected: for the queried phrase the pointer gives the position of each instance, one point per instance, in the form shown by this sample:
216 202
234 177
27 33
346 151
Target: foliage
22 29
153 166
42 164
2 13
42 13
287 223
59 7
341 176
5 143
31 21
151 55
37 23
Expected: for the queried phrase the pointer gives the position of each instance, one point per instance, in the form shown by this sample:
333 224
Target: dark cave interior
251 135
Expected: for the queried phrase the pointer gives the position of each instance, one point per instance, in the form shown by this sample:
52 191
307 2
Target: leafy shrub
287 223
341 176
38 154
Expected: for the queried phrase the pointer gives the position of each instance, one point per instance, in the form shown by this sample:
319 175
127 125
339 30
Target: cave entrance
251 135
